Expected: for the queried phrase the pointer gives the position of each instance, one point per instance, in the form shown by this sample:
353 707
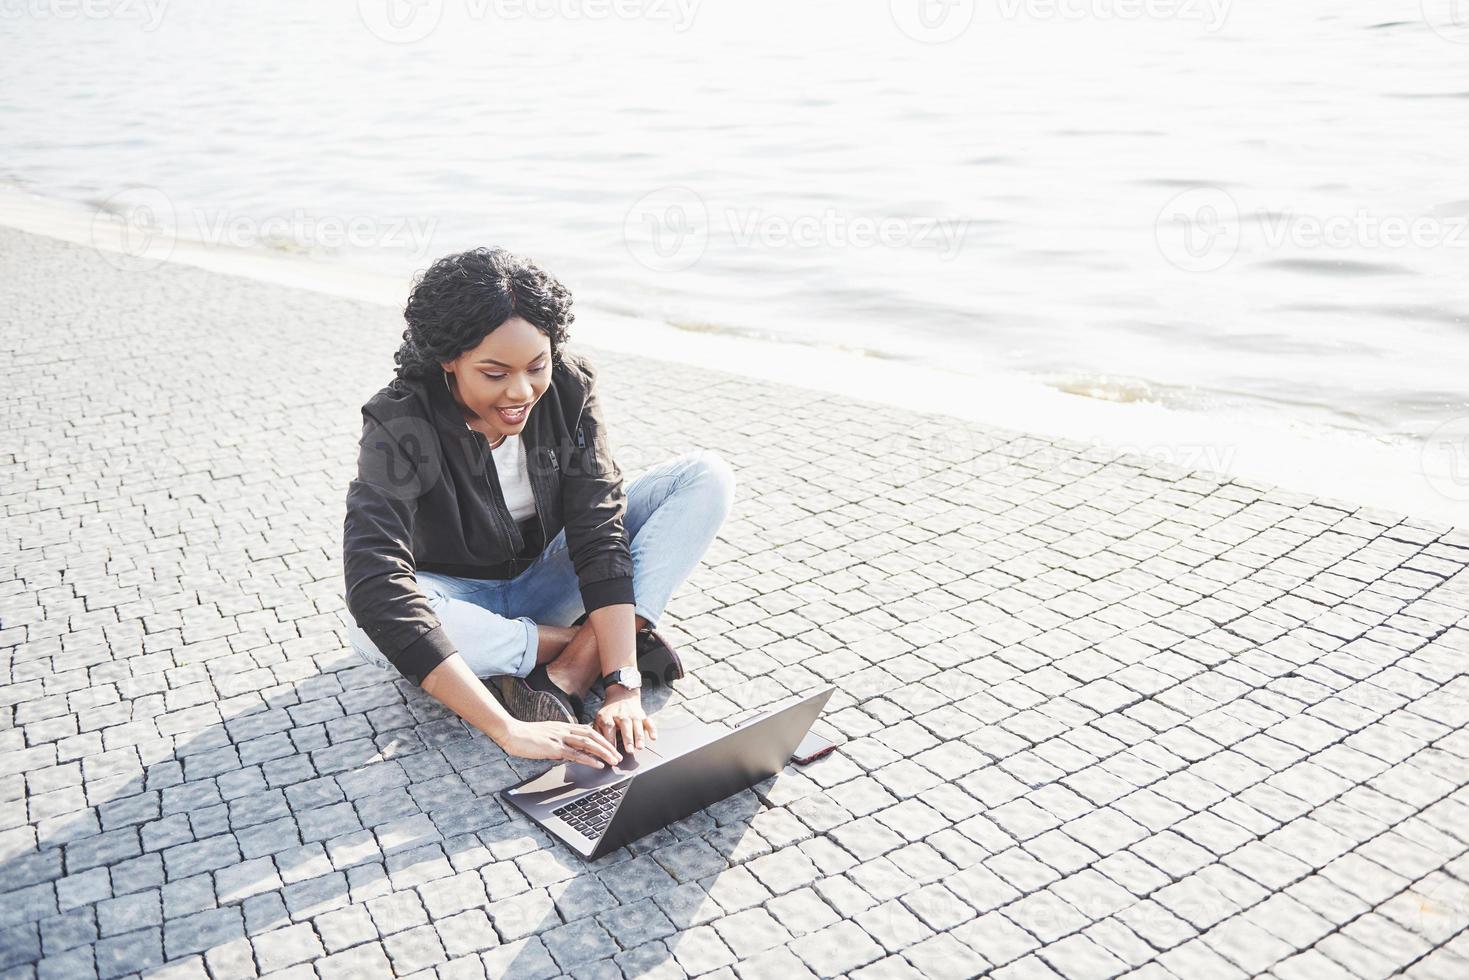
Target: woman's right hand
559 740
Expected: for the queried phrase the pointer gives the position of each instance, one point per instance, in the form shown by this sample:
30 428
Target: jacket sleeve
594 504
383 596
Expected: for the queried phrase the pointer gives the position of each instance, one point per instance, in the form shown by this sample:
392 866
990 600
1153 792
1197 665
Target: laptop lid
662 794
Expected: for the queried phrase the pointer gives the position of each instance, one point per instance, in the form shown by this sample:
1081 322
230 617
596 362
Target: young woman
488 536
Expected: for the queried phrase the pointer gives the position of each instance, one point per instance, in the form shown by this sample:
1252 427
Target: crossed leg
570 653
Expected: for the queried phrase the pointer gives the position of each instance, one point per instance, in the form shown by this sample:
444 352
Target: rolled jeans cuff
532 646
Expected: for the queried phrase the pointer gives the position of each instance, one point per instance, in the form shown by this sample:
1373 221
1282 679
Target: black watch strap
611 678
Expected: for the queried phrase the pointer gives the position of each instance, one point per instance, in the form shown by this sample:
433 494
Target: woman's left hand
622 714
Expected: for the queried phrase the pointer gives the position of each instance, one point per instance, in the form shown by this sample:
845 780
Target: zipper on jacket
497 498
537 491
540 514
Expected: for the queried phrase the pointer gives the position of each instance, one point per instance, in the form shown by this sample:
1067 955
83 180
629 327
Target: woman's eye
501 377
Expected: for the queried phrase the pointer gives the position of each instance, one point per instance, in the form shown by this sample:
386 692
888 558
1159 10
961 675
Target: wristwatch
629 677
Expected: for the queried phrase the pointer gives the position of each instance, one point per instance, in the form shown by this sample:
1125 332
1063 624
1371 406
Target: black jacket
426 497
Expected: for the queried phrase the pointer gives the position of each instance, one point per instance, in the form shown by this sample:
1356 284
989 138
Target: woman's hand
559 740
622 713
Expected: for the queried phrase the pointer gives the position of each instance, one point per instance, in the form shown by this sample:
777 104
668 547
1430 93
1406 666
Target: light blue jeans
674 510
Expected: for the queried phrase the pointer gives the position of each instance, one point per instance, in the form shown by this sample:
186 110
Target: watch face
627 676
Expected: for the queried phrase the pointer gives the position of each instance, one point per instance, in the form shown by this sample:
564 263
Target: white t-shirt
514 478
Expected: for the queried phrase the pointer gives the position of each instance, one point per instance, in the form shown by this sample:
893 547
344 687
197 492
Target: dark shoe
536 697
657 661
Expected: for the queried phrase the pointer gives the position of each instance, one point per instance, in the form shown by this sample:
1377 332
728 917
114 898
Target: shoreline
1323 463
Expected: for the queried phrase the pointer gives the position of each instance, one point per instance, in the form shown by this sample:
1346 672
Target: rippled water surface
1255 207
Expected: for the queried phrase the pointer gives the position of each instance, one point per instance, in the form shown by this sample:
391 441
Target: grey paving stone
238 882
345 928
700 950
201 931
360 961
636 923
74 964
129 953
396 912
447 896
838 948
62 932
578 943
20 944
467 932
414 949
750 932
233 961
525 958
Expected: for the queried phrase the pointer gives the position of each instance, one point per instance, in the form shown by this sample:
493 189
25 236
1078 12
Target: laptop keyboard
591 814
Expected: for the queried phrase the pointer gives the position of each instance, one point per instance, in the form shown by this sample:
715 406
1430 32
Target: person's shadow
345 815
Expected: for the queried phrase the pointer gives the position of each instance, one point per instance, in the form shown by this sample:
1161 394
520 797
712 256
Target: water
1194 209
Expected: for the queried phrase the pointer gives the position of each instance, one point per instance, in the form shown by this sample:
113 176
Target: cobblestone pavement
1099 717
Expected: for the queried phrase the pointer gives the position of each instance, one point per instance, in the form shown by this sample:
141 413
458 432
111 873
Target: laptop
689 766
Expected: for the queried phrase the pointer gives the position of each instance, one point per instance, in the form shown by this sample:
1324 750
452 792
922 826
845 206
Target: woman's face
511 368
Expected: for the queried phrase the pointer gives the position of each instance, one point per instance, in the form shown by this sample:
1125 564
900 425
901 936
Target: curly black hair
461 298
